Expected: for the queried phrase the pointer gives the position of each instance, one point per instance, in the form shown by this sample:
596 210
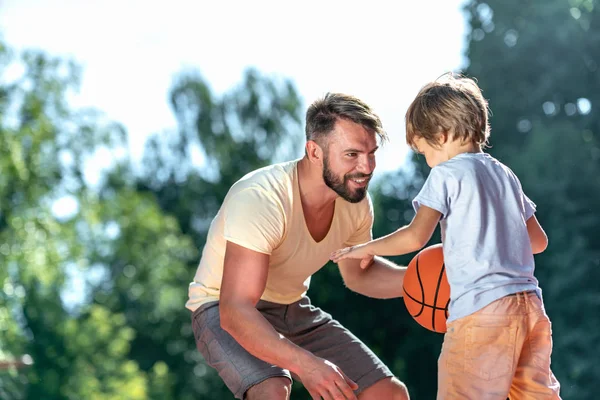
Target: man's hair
452 104
324 112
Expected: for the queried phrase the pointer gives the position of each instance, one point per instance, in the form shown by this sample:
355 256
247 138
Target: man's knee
400 391
390 388
277 388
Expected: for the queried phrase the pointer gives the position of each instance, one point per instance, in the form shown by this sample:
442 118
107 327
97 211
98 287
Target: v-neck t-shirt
263 212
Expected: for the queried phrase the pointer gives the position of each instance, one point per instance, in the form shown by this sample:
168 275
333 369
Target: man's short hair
324 112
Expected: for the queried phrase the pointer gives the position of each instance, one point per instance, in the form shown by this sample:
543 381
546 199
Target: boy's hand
360 252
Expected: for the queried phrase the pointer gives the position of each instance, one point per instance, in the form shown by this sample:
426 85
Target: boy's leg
478 357
533 377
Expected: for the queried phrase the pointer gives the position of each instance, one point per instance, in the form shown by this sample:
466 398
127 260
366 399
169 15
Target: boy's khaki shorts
501 350
305 325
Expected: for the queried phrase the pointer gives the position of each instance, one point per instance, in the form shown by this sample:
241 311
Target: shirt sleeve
529 207
364 232
254 219
434 193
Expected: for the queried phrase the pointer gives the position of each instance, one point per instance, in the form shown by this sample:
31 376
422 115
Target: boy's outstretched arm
407 239
537 236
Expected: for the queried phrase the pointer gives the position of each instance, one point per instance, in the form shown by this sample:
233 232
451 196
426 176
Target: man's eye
351 154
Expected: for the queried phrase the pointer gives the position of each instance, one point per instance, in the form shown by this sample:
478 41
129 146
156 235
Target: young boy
498 340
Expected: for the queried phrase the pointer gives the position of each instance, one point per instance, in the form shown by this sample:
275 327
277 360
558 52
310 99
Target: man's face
349 160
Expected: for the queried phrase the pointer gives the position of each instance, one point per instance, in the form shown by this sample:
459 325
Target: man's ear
314 152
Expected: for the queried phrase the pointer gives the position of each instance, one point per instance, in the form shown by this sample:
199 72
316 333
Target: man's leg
272 388
387 388
241 371
315 330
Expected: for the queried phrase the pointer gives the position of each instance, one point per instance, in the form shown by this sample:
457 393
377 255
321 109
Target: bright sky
130 51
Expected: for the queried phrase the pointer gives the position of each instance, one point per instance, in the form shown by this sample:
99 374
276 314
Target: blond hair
451 104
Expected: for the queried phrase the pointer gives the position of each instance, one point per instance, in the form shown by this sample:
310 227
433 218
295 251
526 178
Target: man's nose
366 164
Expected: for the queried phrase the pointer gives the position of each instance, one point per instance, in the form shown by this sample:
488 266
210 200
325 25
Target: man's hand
361 252
326 380
366 262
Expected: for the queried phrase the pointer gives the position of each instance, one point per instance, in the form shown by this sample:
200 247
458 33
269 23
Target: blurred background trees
94 266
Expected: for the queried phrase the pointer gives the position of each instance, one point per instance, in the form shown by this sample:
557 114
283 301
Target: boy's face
433 155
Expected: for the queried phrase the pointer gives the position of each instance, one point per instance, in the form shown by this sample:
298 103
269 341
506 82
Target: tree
57 227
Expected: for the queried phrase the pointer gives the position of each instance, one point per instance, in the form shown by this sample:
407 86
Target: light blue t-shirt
487 251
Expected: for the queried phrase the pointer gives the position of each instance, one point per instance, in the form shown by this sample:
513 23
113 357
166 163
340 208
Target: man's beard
341 186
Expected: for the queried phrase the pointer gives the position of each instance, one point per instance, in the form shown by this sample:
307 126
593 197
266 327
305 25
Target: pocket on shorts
540 344
452 355
489 350
202 322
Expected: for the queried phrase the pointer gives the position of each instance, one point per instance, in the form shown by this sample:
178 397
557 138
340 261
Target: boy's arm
407 239
537 236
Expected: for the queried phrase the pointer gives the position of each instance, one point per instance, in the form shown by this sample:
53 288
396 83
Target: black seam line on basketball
437 291
426 305
446 309
421 286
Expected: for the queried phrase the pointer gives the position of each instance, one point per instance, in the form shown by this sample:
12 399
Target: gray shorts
305 325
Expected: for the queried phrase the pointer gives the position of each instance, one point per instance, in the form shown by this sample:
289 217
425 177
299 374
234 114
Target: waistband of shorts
525 293
204 307
261 304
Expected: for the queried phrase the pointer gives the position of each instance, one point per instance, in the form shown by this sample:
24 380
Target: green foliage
82 348
106 374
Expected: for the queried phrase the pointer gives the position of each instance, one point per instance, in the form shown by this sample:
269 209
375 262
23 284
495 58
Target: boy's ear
444 137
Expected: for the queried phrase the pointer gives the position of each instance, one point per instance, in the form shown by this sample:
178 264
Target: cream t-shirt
263 212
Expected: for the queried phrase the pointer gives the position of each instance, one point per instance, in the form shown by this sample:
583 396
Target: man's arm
244 280
382 279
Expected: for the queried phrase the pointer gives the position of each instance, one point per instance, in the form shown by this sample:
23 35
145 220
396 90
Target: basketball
426 289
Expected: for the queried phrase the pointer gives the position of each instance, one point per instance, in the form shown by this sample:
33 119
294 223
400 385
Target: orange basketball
426 289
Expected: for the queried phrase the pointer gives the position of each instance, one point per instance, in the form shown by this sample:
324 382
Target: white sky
130 51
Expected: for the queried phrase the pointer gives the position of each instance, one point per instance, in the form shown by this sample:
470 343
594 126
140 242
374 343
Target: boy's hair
324 112
452 104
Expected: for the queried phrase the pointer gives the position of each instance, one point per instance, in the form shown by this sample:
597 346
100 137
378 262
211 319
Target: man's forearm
382 279
255 334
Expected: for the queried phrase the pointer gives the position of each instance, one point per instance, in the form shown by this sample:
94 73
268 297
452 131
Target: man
277 226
